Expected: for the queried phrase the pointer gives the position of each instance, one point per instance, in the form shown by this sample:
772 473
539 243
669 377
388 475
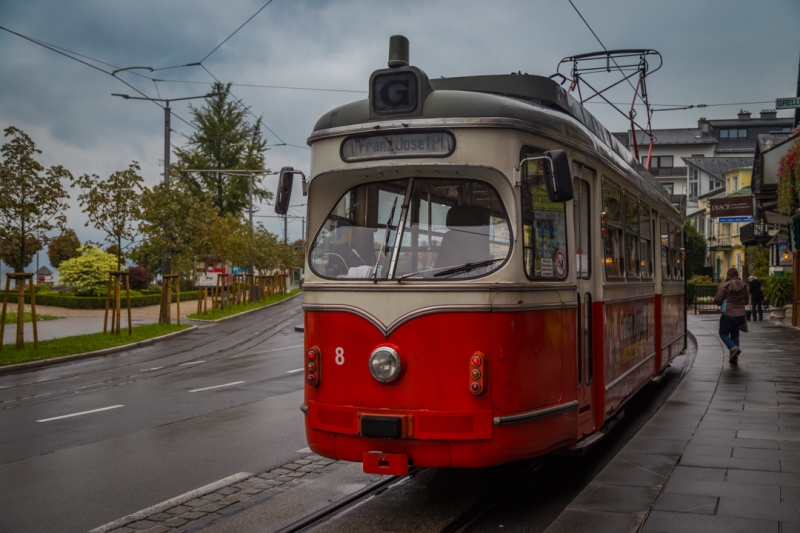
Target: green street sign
787 103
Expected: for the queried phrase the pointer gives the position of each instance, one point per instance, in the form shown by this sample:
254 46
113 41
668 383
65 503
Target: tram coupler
390 464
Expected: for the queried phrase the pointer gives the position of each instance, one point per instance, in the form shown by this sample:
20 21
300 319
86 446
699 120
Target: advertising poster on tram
629 335
546 238
672 309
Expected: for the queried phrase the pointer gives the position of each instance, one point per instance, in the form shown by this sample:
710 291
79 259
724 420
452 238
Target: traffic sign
787 103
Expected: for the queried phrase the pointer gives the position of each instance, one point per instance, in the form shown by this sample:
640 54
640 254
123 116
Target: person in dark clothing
756 298
733 296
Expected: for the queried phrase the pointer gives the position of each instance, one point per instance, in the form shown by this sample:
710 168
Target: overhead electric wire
252 85
237 29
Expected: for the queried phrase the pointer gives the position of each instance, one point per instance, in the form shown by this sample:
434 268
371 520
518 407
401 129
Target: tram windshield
416 228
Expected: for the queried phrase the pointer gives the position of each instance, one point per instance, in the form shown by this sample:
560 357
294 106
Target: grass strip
240 308
11 318
53 348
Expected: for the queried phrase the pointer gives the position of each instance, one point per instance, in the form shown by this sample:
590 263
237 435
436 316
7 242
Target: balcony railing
668 172
717 241
753 233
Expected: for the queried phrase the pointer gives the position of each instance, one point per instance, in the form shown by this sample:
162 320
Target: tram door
582 242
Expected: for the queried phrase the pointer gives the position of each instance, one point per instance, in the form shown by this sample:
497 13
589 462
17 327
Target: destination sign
393 145
394 93
787 103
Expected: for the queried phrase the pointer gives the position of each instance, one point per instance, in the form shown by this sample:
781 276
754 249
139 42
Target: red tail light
476 373
312 366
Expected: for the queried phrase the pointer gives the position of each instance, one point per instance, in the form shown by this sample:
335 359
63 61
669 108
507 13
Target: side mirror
558 177
284 195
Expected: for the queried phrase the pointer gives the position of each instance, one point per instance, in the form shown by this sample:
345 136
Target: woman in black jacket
756 298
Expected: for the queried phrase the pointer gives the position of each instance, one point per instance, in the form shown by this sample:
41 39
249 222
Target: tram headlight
384 364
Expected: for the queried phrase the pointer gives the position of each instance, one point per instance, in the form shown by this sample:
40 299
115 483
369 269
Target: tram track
229 352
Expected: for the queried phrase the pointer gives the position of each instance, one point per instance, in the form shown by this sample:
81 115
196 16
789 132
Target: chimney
769 114
744 115
703 125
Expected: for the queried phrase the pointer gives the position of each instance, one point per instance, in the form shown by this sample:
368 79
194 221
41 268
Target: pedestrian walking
756 298
733 297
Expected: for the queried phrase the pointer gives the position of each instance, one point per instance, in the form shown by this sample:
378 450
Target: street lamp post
165 263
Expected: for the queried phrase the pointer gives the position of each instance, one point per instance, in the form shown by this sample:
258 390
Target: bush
141 278
89 272
703 280
95 302
779 290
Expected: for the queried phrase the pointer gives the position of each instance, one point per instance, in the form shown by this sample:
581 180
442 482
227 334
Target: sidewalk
69 326
722 454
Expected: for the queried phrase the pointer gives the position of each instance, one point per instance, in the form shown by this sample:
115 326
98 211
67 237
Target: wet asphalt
164 419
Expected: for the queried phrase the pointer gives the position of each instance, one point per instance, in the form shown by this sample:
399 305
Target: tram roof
537 100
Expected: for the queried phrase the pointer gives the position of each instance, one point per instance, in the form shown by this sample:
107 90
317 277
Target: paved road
162 420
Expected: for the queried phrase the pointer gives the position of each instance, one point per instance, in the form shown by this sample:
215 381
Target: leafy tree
115 251
696 260
113 205
63 247
32 201
756 261
224 140
140 277
87 273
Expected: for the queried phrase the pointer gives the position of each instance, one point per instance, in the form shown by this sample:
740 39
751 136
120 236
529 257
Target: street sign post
791 102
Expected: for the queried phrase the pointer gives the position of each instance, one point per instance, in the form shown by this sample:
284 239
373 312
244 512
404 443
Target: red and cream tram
490 274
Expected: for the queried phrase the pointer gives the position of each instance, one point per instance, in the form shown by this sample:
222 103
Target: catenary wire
252 85
237 29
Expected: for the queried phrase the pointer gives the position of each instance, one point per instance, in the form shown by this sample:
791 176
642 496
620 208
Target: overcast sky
715 52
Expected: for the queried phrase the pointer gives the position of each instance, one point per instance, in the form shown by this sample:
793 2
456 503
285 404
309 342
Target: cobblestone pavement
203 510
722 454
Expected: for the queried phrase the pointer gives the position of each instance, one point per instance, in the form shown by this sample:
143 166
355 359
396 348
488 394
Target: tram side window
678 258
645 241
631 236
544 225
613 241
665 270
673 251
581 212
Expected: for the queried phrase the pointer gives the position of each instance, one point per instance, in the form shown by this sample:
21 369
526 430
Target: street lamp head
125 96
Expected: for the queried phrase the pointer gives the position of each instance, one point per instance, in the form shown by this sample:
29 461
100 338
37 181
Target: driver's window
544 225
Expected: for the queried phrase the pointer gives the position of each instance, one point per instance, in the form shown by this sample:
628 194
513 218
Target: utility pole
285 229
797 110
165 263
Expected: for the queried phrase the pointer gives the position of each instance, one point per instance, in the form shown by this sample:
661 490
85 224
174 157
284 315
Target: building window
694 185
670 187
733 134
659 161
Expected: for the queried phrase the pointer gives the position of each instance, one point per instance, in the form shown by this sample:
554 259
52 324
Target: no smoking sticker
561 264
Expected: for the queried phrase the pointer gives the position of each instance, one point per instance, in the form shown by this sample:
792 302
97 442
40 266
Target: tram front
415 277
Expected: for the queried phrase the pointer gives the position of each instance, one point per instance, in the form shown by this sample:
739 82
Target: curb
237 315
31 365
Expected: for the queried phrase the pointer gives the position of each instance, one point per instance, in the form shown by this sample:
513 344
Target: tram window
631 236
544 225
581 213
665 270
613 242
645 239
678 259
448 223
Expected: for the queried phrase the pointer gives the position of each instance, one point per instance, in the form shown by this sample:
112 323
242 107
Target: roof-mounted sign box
736 206
787 103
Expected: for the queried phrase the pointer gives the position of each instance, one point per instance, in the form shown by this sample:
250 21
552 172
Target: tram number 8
340 356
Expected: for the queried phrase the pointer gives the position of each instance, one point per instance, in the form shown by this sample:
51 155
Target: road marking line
192 363
304 450
177 500
151 369
81 413
293 371
268 351
218 386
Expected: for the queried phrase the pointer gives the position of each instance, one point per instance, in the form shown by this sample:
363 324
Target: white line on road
218 386
295 370
192 363
151 369
81 413
304 450
177 500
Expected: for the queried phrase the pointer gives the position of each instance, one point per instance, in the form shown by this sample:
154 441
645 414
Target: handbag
744 327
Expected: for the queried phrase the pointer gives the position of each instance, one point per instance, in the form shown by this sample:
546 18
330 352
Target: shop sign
736 206
787 103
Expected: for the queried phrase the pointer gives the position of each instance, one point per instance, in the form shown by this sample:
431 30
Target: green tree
756 261
87 273
113 205
224 140
32 201
696 260
63 247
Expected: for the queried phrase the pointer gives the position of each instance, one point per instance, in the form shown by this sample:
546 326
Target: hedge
95 302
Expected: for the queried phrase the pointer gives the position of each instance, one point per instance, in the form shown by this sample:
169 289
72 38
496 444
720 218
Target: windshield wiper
466 267
385 241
